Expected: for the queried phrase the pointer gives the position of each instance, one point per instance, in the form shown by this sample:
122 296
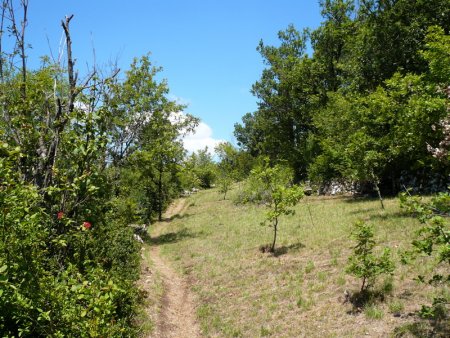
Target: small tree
227 171
364 263
278 194
224 182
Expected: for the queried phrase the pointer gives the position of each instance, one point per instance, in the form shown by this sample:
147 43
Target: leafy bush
75 282
416 205
432 240
364 263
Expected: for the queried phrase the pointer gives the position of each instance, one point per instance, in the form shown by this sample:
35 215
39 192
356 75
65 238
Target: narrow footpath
176 317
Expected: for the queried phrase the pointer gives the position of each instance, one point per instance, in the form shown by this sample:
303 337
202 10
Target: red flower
60 215
87 225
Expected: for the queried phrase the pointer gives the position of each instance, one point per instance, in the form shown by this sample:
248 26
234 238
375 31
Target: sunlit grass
299 291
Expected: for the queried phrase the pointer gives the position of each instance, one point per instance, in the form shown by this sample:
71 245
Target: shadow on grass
360 199
282 249
171 237
360 299
177 216
391 215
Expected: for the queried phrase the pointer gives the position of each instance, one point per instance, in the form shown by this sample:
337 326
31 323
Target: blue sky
206 47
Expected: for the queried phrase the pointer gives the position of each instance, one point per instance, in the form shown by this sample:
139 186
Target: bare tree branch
70 64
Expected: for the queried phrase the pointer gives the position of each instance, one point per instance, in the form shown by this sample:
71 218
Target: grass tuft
373 311
396 306
309 267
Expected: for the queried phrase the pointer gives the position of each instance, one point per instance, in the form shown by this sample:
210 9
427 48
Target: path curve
177 317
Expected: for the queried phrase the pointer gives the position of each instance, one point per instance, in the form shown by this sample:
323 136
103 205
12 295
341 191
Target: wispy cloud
179 100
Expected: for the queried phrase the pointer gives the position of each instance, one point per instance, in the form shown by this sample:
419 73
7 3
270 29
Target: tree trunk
379 194
275 228
363 286
375 181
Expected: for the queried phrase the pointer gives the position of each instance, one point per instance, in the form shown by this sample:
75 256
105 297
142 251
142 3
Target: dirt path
177 313
176 208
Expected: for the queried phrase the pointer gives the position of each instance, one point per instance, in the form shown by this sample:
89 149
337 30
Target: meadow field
300 291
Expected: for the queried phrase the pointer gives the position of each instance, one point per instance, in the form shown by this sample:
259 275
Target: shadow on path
177 216
171 237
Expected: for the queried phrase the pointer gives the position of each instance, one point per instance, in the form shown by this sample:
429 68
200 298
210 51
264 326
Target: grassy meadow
299 291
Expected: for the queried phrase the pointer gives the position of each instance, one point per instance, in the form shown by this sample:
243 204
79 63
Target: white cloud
201 138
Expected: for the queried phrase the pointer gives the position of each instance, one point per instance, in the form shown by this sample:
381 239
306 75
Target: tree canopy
364 102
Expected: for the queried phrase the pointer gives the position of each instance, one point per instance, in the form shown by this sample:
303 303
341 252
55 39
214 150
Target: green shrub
432 240
364 263
58 276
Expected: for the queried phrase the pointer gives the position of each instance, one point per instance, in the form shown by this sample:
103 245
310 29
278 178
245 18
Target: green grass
373 311
299 291
396 306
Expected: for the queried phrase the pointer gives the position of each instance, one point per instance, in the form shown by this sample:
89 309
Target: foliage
70 151
147 141
364 263
188 178
280 127
201 167
224 183
365 104
424 210
227 167
44 293
432 240
279 195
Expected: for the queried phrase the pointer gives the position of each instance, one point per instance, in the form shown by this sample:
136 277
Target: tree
227 166
437 53
146 135
162 153
278 194
374 72
381 135
130 104
331 43
201 164
286 94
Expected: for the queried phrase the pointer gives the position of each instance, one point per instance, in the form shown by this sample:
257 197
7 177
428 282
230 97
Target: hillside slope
300 291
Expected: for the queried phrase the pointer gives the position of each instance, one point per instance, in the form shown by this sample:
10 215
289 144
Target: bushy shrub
364 263
59 276
432 240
